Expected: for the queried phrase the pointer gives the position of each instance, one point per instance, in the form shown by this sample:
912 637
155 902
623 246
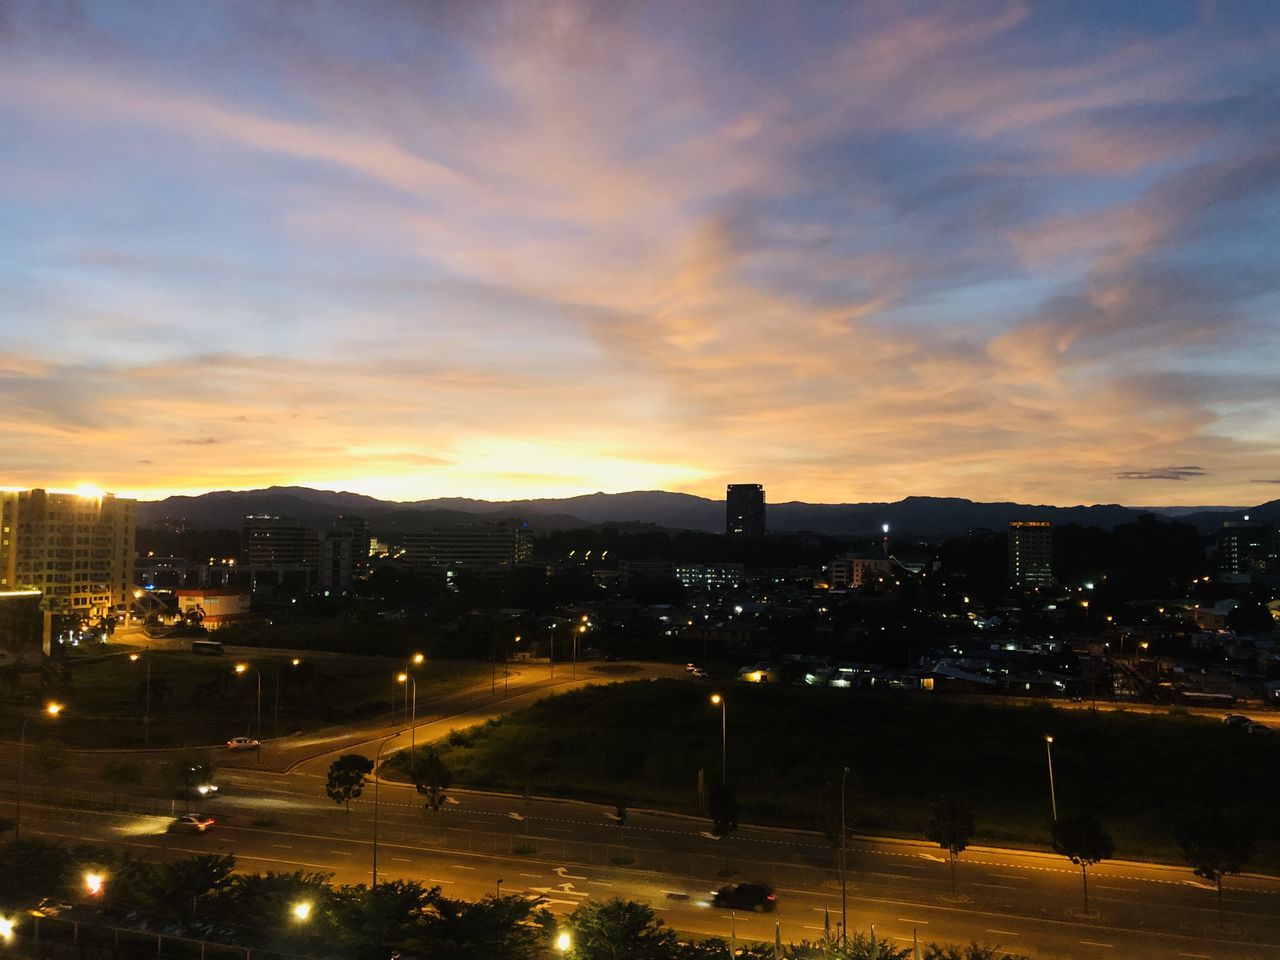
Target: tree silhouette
1083 841
431 778
120 772
1215 846
347 778
950 826
621 929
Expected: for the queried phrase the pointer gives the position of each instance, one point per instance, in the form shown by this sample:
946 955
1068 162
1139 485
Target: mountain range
922 516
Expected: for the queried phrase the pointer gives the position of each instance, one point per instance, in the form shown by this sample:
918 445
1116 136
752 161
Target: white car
698 673
191 823
242 743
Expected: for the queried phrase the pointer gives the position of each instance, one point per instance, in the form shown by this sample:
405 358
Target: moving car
698 673
1236 720
691 667
1255 727
746 896
242 743
191 823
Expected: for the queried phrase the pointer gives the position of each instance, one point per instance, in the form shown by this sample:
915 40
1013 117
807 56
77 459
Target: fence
55 938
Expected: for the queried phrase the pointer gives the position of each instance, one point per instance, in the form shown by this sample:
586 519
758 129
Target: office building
711 576
1031 552
744 511
357 529
1245 551
24 627
216 607
854 571
77 549
493 543
278 542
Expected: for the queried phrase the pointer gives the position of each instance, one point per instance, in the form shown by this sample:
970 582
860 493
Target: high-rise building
492 543
77 549
1245 550
279 542
357 528
744 511
1031 552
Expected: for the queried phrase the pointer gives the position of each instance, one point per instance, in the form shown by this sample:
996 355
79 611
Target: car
191 823
611 658
691 667
746 896
698 673
1236 720
1259 728
242 743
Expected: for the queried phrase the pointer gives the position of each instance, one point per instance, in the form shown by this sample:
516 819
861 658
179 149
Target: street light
51 709
844 859
302 911
146 715
6 929
376 781
1053 797
242 668
718 701
564 941
275 718
582 628
411 683
93 883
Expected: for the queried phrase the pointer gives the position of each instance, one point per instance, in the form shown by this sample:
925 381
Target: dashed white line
460 866
1095 943
1002 933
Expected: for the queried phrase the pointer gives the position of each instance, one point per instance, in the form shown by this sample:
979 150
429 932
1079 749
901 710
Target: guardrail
60 938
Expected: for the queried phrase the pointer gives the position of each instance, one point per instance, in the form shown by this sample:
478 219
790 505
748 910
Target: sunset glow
992 250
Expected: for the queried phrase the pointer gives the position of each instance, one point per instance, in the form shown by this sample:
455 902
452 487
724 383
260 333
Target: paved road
274 816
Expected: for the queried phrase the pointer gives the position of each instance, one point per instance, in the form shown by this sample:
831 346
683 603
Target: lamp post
506 671
244 668
411 692
718 701
376 781
275 719
844 860
1053 797
50 709
146 714
552 661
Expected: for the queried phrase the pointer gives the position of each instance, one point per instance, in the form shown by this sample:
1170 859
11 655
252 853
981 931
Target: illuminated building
1245 551
855 571
744 511
279 542
493 543
75 548
1031 552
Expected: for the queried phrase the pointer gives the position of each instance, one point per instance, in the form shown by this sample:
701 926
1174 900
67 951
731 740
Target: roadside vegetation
303 914
648 741
200 700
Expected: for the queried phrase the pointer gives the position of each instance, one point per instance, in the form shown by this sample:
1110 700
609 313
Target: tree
1083 841
432 778
513 928
187 770
31 869
950 826
120 773
347 778
50 757
620 929
184 882
1215 846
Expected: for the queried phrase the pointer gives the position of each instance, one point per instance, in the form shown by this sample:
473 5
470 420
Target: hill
923 516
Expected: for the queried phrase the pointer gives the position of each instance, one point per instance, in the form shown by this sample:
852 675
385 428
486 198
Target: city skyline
994 251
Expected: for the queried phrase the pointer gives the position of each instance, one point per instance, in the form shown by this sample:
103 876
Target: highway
273 815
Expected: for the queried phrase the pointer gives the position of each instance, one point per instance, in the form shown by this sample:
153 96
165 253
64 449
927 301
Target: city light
93 883
418 658
295 661
302 910
241 667
715 698
53 709
6 929
402 677
564 941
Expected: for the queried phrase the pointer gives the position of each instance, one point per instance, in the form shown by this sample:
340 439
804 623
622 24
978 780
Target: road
272 814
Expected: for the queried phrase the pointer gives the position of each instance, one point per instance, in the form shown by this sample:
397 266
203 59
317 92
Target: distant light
93 883
716 698
564 941
418 658
401 677
295 661
1246 516
89 492
6 929
884 527
53 709
241 667
302 909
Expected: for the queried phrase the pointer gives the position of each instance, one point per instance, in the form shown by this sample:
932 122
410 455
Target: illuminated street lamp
718 701
377 758
275 719
301 911
582 628
242 668
563 941
6 929
146 714
51 709
93 883
844 860
1053 797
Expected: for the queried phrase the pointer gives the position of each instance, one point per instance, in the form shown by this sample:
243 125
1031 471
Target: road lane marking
1095 943
535 876
460 866
434 880
1002 933
923 923
401 860
599 883
1001 886
282 846
340 853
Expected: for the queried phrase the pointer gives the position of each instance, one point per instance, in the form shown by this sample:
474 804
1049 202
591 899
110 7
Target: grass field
197 700
646 741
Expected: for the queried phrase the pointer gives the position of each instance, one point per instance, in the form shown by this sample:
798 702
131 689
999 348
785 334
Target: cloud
1163 473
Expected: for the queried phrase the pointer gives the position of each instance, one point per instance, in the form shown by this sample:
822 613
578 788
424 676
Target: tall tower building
1031 552
744 511
77 549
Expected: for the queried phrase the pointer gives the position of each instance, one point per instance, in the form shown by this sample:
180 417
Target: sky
852 251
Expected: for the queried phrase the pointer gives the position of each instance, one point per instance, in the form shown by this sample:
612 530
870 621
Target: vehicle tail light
771 897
